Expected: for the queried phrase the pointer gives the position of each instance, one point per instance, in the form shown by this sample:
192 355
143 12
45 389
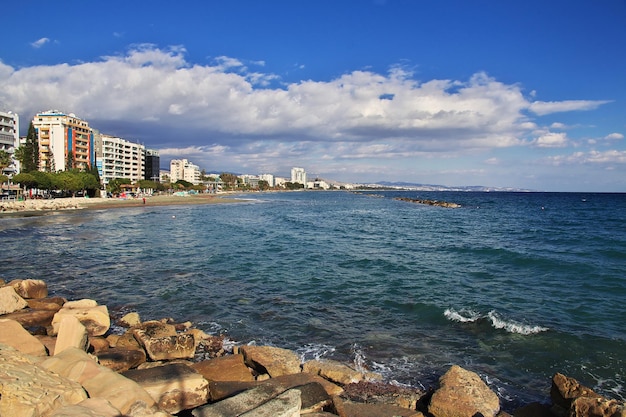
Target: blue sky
523 94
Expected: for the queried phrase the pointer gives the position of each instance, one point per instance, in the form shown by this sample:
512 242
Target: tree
115 185
185 184
28 153
25 179
3 178
5 160
264 185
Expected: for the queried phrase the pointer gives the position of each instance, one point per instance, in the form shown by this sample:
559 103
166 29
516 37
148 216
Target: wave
497 322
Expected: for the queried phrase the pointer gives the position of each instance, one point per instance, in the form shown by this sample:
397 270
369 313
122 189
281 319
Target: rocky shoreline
62 358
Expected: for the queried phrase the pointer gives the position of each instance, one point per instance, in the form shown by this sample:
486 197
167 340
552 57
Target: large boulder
240 403
30 318
334 371
71 334
462 393
91 407
100 382
271 360
13 334
30 288
596 407
27 390
94 317
121 359
180 346
175 387
225 368
287 404
10 301
569 397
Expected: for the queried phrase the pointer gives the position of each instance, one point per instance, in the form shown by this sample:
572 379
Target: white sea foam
313 351
513 327
463 316
497 322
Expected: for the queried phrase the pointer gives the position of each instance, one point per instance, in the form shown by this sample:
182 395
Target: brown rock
52 303
71 334
121 359
596 407
225 368
154 328
313 397
13 334
97 344
271 360
127 340
130 320
95 318
33 318
180 346
565 390
91 407
377 410
334 371
27 390
10 301
174 387
30 288
463 394
381 393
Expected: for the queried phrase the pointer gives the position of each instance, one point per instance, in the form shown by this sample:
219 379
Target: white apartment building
9 138
119 158
182 169
269 178
64 139
298 175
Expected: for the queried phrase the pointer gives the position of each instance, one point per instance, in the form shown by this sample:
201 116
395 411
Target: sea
513 286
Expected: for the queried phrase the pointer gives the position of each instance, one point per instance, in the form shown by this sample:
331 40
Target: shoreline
31 207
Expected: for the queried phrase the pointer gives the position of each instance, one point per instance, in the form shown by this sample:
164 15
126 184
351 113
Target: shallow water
514 286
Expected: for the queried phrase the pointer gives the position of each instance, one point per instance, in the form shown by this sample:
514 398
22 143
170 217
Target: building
9 138
65 141
298 175
269 178
119 158
182 169
153 165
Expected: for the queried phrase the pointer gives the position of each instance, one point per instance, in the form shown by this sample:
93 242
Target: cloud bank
228 110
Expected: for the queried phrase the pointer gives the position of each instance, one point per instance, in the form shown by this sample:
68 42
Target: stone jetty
60 358
436 203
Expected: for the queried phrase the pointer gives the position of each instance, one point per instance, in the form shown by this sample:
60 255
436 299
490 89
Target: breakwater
60 357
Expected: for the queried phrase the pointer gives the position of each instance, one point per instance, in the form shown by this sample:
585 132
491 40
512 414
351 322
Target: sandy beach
29 206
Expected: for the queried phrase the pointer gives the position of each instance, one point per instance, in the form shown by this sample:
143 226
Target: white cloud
551 140
224 114
542 108
614 136
591 157
39 43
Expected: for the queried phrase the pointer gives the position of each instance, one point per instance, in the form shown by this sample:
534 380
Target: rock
463 394
91 407
95 318
30 288
154 328
240 403
27 390
52 303
565 390
271 360
121 359
313 398
129 320
286 404
225 368
352 409
180 346
596 407
127 340
71 334
32 318
97 344
333 371
224 389
381 393
100 382
174 387
10 301
13 334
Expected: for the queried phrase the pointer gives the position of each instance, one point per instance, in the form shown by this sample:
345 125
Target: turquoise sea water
514 286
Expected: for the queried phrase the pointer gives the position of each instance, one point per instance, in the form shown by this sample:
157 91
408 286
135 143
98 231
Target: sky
502 93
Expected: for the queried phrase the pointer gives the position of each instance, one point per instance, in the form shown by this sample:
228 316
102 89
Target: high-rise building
153 165
9 138
65 141
298 175
182 169
119 158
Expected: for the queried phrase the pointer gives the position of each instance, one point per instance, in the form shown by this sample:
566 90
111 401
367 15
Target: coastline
31 207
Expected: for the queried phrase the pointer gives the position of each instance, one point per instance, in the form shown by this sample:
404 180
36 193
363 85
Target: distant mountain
400 185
